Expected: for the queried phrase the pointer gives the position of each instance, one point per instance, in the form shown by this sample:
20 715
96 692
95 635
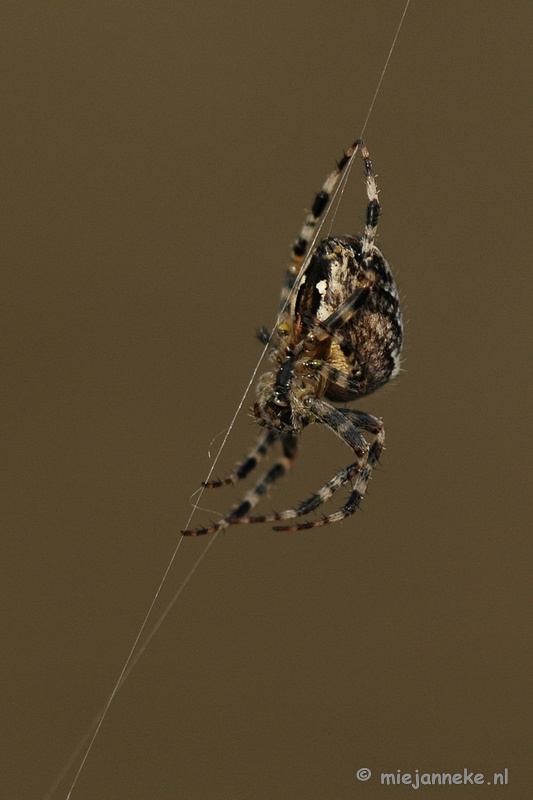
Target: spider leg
346 423
365 422
360 420
266 440
322 199
301 245
355 498
349 307
312 503
373 208
343 313
341 379
279 468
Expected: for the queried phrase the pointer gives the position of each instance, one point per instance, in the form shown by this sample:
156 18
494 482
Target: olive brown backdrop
158 160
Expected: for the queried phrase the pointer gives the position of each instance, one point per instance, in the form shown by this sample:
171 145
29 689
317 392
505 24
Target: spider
338 337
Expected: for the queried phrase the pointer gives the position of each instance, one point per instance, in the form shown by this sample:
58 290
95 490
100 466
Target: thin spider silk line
398 29
136 652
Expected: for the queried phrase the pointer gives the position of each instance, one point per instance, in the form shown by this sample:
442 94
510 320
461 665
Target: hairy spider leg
347 310
341 379
362 474
343 313
300 246
354 500
373 208
279 468
254 457
312 503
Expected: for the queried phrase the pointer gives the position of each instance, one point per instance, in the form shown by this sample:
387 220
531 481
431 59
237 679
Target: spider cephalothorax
338 337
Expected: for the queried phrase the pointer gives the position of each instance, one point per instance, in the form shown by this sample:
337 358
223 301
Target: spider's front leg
279 468
307 232
261 447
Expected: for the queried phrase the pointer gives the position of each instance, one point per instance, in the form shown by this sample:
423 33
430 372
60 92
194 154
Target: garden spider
339 337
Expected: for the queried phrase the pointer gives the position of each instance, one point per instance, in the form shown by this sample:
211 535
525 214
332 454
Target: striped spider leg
339 337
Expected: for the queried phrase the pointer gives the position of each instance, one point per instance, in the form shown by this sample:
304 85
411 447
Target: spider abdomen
363 352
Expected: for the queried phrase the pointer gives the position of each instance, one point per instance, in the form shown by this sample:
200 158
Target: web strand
378 87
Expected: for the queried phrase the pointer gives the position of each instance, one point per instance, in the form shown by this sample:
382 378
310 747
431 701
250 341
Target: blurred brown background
158 158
